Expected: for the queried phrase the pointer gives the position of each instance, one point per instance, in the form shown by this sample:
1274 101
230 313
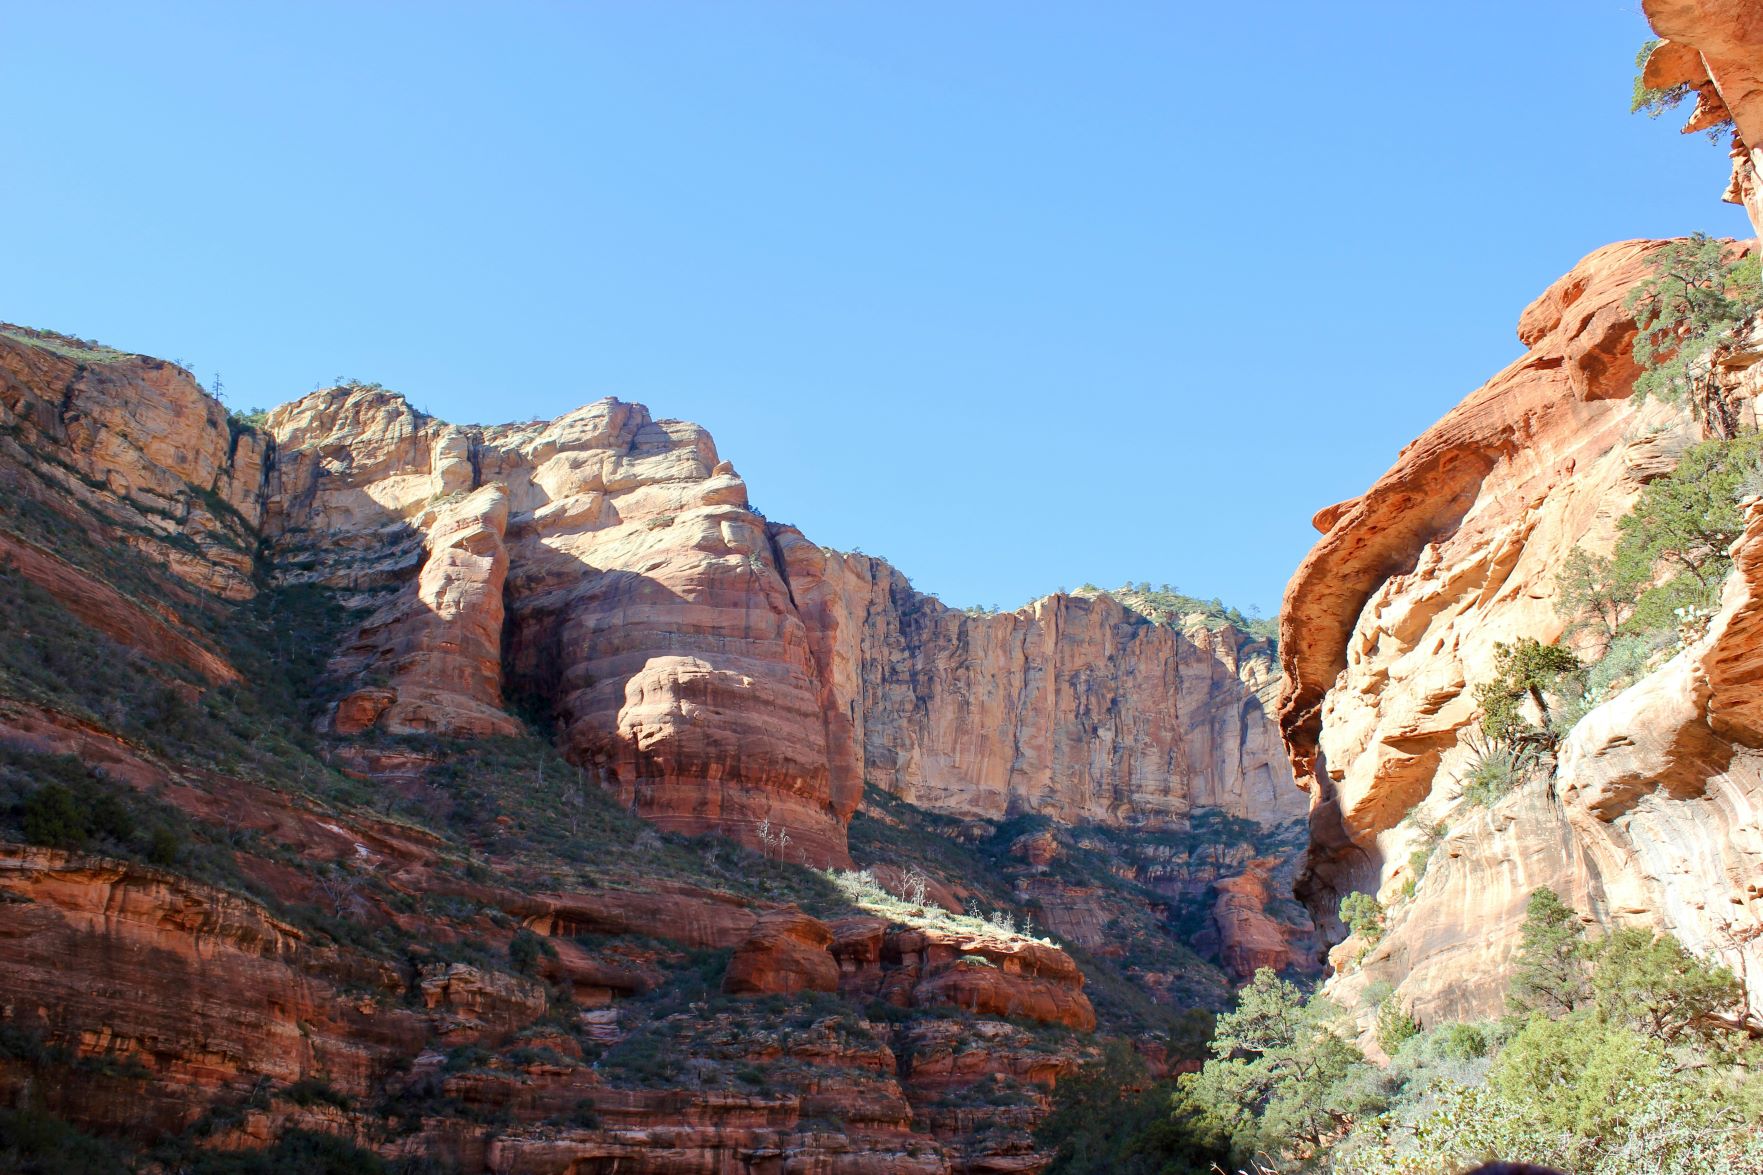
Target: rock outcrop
987 975
786 953
1649 815
603 565
1073 707
190 990
132 448
718 670
1715 47
1250 938
1388 617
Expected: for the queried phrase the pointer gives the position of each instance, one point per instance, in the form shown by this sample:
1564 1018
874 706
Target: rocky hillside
1639 801
461 792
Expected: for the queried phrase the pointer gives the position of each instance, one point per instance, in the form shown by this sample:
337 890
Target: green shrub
1111 1117
1622 664
584 1116
53 817
313 1091
1686 520
296 1152
1363 915
1463 1042
33 1143
1493 771
1688 307
164 846
1577 1075
1650 985
1620 1058
1659 585
1395 1027
526 949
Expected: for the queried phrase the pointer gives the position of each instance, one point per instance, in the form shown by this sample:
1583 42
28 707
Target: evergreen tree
1550 977
1363 915
1597 594
1277 1065
1526 670
1656 988
1688 519
1686 309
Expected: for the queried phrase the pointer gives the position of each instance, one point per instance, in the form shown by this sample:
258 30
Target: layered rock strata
131 448
720 671
602 573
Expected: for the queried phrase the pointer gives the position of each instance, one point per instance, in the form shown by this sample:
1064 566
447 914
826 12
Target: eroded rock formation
603 575
1650 815
719 670
1715 47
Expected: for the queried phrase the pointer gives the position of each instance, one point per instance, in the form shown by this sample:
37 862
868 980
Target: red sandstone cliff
718 670
1716 48
1648 815
707 668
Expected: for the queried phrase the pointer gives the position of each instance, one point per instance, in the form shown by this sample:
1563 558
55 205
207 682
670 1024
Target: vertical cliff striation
717 669
286 842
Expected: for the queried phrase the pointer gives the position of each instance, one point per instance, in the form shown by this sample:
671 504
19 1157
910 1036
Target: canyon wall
132 451
333 824
717 669
1651 813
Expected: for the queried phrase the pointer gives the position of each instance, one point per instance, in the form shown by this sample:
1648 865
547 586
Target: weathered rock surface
710 669
1401 603
194 990
439 647
161 637
1017 978
786 953
1251 939
718 670
1716 47
604 564
176 996
1071 707
1650 816
131 446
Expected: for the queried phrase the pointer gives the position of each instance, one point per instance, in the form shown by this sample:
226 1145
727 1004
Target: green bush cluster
1671 550
57 802
1363 915
1111 1118
1168 605
1696 295
1617 1056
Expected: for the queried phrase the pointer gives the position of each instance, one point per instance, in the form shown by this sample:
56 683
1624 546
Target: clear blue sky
1016 294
